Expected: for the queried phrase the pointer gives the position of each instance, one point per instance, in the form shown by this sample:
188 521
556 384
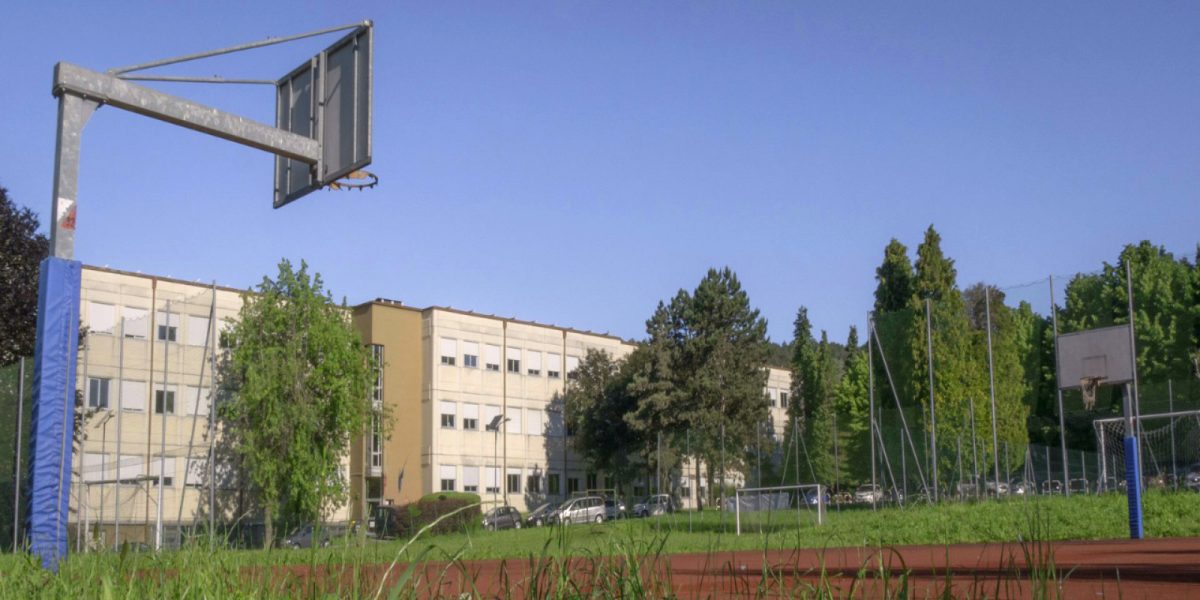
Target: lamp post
494 426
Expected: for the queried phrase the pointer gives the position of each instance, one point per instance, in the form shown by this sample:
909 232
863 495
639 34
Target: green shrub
429 508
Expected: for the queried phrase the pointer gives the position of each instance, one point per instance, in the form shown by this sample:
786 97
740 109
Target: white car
868 494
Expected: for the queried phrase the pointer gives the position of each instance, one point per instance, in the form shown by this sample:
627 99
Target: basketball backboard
1103 353
327 98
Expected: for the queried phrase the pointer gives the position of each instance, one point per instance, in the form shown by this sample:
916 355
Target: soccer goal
764 505
1170 446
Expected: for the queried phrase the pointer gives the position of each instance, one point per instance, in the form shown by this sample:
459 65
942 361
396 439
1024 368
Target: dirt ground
1159 568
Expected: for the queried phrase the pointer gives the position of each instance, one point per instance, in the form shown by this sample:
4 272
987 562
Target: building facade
475 403
470 403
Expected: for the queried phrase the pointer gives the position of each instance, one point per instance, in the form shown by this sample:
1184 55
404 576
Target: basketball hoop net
356 180
1088 386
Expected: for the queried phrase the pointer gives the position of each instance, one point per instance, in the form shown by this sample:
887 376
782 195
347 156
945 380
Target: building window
553 365
470 479
132 395
167 466
533 484
533 422
553 484
377 392
591 481
572 485
493 480
470 417
168 327
771 393
447 477
783 399
101 317
491 357
471 354
449 351
572 367
164 402
376 449
533 363
135 322
448 411
513 356
98 392
514 482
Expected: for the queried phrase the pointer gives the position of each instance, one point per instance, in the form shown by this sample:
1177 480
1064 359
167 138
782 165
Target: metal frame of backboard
80 92
326 98
1103 353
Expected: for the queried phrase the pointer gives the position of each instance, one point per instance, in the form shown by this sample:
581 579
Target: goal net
1169 447
779 506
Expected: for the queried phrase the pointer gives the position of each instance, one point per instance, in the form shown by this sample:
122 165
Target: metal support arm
107 89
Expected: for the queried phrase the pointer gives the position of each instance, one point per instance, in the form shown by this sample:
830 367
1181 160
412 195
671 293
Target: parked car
542 515
1052 486
1078 486
868 494
656 504
1022 487
812 498
996 488
502 517
384 522
614 509
306 536
1191 481
585 509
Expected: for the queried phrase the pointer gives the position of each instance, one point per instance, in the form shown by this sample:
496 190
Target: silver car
588 509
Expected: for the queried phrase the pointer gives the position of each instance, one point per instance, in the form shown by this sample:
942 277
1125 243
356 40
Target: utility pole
987 298
932 410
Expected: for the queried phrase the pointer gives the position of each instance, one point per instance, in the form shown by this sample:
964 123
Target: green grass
609 550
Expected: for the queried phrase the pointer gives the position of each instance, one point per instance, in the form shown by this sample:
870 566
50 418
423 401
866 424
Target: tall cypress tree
894 289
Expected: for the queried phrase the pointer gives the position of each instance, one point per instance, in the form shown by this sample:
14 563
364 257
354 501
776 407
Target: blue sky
574 163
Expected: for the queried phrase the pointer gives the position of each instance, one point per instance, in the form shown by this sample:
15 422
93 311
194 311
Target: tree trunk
268 527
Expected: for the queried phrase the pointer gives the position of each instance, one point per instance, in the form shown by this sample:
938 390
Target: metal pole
932 408
18 472
974 446
870 410
987 298
836 459
695 486
120 409
1103 460
1171 408
658 465
723 464
1132 440
1062 422
1049 487
162 457
212 424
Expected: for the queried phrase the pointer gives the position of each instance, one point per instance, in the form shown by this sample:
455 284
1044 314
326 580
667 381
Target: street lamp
494 426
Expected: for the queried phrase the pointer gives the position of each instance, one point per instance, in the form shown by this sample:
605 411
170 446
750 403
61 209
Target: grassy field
199 572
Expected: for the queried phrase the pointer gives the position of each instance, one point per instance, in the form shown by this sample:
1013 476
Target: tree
894 294
895 279
302 381
853 410
22 249
959 375
598 402
704 376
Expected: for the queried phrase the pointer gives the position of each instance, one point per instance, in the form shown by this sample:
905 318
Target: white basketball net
1088 386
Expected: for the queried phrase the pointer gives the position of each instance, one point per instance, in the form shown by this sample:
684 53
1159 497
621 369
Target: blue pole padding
51 435
1133 487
